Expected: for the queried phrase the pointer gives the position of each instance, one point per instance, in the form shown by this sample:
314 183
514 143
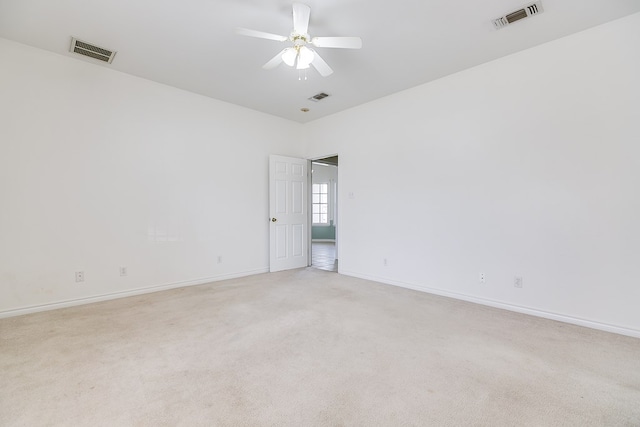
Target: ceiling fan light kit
300 55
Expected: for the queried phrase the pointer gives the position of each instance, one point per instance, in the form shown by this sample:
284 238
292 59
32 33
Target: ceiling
191 44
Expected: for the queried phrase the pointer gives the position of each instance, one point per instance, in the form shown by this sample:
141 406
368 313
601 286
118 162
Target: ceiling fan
300 54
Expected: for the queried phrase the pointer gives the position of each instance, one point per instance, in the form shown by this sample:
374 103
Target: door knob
274 219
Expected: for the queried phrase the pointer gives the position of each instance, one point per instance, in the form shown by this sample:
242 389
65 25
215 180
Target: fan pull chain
301 74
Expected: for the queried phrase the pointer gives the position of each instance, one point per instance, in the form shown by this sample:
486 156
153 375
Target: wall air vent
525 12
318 97
92 51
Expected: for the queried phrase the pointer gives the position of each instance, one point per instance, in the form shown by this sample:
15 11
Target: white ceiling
191 44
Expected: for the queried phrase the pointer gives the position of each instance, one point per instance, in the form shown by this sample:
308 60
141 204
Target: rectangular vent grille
516 16
525 12
92 51
318 97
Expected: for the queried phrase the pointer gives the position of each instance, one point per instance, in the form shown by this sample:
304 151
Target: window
320 203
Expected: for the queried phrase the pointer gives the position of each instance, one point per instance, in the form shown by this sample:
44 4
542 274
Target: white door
288 213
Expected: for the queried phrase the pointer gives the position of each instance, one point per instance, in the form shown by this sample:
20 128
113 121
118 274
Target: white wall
528 166
99 169
324 173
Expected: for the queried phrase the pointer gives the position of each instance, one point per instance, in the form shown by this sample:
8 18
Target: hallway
323 256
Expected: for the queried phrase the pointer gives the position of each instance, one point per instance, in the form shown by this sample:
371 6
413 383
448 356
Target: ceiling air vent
92 51
318 97
525 12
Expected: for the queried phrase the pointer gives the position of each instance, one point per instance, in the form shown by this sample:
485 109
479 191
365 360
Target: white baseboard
505 306
483 301
123 294
323 240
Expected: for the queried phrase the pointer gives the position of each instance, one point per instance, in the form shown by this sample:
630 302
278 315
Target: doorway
324 213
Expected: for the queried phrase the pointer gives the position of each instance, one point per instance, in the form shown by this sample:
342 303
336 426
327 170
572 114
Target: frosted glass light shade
305 57
289 56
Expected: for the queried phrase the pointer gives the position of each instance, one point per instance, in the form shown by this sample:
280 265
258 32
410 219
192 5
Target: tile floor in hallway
323 256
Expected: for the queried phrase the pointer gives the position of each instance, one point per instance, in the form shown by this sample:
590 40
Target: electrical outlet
384 262
482 278
79 276
219 259
123 271
517 282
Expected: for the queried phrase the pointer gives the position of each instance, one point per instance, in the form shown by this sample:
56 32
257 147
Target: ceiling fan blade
261 34
301 14
275 61
320 65
339 42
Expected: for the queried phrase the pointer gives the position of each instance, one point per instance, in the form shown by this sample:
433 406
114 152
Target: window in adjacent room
320 203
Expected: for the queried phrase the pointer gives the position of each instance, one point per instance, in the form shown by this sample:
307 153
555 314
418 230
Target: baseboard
505 306
323 240
124 294
477 300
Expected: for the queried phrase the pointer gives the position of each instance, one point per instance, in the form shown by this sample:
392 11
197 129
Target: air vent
525 12
92 51
318 97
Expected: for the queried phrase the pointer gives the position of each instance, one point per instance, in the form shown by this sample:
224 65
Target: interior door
288 220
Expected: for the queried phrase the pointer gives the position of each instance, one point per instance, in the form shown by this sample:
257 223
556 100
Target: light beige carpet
310 348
